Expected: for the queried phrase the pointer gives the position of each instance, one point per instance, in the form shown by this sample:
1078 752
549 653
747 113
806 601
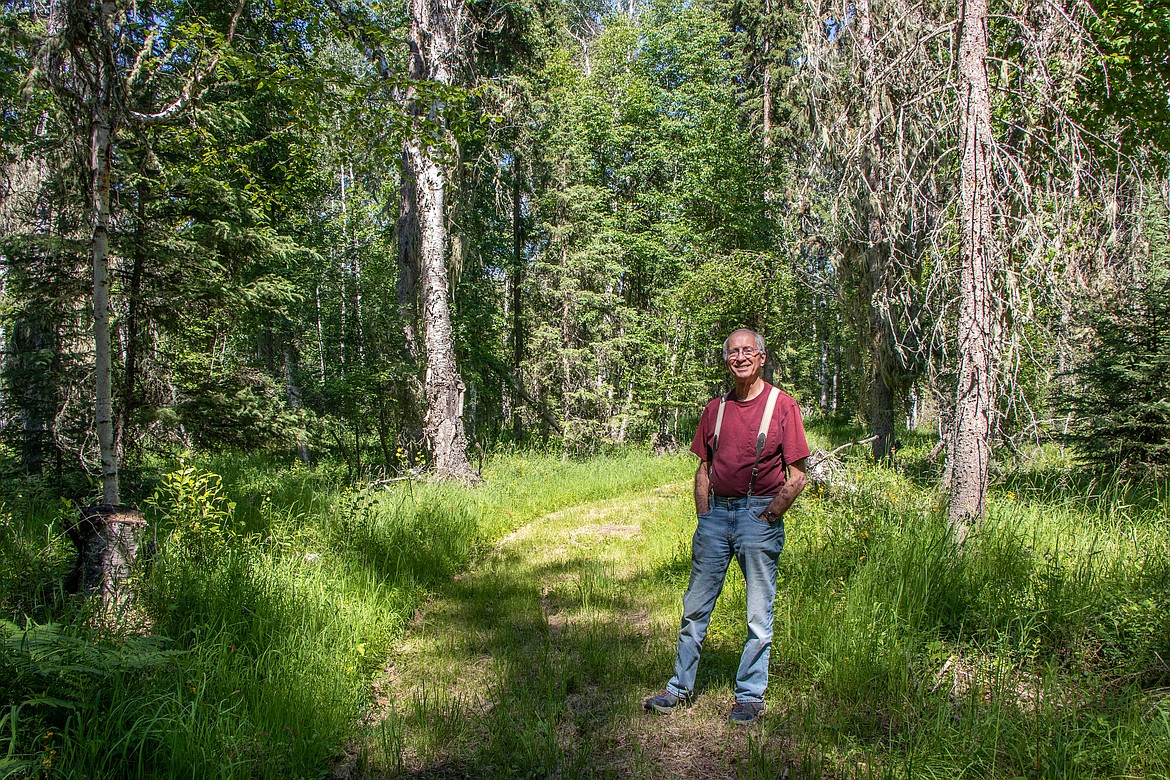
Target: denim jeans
731 527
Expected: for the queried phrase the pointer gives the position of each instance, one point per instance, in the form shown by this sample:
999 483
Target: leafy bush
192 506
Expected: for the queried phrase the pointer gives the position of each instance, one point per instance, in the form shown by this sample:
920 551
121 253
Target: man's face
743 359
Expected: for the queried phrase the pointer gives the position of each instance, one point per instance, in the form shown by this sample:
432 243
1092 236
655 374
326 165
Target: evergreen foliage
1119 400
631 181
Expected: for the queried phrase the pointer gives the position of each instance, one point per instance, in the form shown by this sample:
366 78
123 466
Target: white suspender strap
715 440
762 436
766 421
718 426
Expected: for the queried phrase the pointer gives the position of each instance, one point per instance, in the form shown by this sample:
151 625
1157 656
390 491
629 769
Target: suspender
761 437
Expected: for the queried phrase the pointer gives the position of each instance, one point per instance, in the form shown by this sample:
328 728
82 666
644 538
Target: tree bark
881 417
320 332
107 538
434 54
874 257
969 454
408 268
766 108
129 400
517 290
100 148
443 422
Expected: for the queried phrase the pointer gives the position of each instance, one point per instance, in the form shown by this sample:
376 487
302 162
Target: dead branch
825 456
193 89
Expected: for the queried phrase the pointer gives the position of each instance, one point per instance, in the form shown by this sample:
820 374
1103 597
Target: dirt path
535 662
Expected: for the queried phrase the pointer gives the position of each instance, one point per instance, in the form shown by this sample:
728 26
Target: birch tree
99 59
436 54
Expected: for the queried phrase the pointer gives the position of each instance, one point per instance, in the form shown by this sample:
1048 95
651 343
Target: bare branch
193 89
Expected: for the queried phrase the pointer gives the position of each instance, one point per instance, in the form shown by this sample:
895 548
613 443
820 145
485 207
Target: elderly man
752 450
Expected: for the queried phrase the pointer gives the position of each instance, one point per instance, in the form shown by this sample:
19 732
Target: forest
374 334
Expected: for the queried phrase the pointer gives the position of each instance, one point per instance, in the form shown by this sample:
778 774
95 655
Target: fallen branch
831 453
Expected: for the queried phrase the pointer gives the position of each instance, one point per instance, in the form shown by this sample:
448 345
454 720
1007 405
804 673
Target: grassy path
535 662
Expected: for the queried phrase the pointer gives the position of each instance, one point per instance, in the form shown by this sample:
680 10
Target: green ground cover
293 627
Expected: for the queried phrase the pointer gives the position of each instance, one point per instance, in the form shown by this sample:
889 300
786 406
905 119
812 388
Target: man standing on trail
752 450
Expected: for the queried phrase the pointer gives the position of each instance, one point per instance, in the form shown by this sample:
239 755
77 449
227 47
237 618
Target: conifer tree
1119 400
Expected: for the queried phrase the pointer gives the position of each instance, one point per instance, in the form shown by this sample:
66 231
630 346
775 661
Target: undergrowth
277 592
272 600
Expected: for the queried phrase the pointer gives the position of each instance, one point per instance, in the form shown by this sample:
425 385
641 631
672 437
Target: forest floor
540 657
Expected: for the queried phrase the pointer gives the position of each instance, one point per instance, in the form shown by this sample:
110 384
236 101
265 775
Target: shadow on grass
540 671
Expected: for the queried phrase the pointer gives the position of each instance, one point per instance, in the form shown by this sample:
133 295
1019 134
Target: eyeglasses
747 352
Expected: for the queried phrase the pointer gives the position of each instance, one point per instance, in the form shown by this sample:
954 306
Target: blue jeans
731 527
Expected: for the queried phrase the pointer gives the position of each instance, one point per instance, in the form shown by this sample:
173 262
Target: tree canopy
621 186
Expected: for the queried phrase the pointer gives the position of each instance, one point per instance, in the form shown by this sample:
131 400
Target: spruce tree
1120 396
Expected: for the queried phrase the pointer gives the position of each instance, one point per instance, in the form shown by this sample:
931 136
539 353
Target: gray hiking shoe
664 702
746 712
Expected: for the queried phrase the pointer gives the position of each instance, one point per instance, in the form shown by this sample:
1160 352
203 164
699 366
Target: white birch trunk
443 422
99 161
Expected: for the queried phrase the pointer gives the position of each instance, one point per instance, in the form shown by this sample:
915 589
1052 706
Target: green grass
275 595
515 626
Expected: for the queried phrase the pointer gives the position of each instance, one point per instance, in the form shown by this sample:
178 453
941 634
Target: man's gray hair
759 340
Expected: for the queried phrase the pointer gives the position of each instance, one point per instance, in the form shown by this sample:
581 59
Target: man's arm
703 489
795 483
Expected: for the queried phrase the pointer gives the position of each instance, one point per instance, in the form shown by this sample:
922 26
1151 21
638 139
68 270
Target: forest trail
536 661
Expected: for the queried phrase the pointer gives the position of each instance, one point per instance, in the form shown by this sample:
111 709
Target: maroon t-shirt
732 469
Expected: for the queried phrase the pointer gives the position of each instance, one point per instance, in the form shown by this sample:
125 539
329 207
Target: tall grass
273 599
1039 649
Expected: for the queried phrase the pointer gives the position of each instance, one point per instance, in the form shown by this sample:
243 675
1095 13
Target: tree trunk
129 400
517 290
434 53
566 362
969 453
407 285
100 147
320 332
881 416
766 108
107 538
826 379
875 260
3 329
443 422
343 302
37 392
